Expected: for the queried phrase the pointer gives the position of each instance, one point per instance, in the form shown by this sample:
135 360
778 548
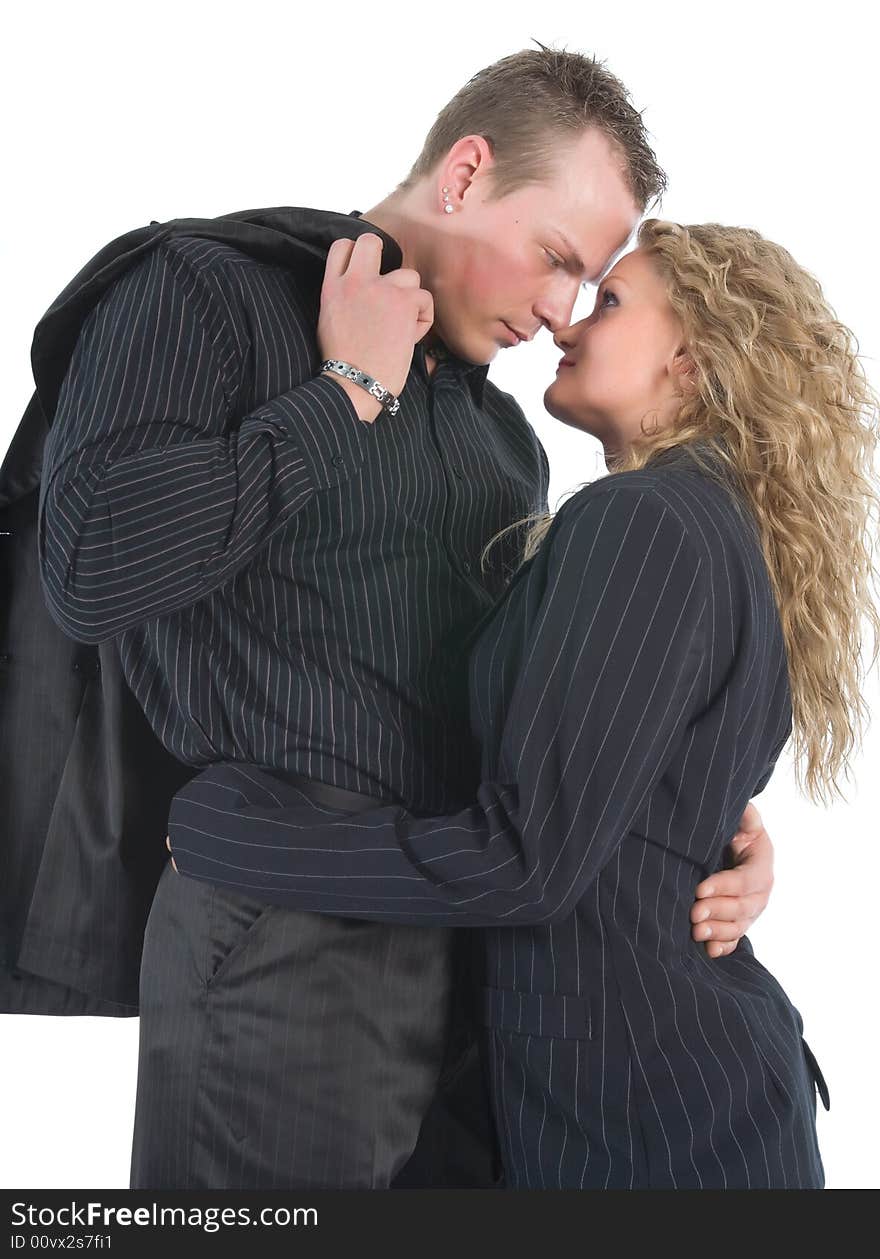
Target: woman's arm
606 690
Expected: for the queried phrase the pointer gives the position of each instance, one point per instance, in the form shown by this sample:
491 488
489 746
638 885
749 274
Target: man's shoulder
203 253
217 262
236 286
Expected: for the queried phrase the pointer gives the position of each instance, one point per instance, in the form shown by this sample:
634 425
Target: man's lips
521 336
515 338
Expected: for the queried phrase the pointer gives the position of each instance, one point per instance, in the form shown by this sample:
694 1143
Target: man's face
518 263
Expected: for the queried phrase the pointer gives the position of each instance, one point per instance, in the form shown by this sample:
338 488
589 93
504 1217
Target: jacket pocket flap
536 1013
817 1075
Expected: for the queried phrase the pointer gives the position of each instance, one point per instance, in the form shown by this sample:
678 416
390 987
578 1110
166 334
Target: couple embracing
447 902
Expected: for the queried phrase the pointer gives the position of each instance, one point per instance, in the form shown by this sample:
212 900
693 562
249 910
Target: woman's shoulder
690 497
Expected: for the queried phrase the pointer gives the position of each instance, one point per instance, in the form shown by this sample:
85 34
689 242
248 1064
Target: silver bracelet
390 403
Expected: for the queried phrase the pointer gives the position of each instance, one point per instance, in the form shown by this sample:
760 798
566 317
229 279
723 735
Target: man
291 575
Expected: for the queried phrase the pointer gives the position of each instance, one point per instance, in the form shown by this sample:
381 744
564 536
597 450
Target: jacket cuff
321 418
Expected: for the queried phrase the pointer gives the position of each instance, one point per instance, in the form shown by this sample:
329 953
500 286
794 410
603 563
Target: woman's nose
565 338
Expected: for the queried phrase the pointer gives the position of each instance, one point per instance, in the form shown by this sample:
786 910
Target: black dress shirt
288 586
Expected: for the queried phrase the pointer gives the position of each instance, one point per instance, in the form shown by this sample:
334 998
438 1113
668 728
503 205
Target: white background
763 115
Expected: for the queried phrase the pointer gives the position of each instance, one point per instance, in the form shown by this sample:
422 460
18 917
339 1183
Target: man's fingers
425 314
752 875
168 846
365 255
403 278
338 256
717 930
751 818
727 909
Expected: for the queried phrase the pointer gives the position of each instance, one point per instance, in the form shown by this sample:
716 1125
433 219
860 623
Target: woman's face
625 363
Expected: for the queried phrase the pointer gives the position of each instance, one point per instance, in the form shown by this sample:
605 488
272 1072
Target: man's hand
371 319
168 846
729 902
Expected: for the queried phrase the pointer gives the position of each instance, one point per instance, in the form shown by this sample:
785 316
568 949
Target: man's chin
480 355
475 349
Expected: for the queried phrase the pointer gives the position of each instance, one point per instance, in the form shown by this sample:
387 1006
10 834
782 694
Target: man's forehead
628 247
590 260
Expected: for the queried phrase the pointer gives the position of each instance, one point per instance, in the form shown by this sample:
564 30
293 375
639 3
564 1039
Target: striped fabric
287 585
630 694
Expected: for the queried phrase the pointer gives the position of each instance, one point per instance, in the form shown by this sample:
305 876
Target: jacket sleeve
610 679
151 497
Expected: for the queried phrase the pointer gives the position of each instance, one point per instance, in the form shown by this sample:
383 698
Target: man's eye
555 261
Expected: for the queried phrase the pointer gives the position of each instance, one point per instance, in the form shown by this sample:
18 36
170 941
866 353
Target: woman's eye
604 302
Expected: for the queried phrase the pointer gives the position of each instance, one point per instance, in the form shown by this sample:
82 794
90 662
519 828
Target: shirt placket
446 387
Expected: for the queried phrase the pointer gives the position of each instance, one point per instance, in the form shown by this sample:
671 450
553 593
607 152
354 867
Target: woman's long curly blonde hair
782 396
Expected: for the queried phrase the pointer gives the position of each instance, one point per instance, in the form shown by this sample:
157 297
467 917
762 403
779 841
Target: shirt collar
474 374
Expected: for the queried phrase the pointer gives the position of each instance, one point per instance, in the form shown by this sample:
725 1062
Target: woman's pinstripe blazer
630 694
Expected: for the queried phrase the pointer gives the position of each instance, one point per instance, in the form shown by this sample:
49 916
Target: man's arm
150 498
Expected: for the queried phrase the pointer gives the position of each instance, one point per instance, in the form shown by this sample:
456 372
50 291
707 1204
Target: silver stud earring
447 207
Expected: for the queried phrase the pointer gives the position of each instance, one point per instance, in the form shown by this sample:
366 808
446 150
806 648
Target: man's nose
555 311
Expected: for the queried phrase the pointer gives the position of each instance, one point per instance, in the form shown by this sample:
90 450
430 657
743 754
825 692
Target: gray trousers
283 1050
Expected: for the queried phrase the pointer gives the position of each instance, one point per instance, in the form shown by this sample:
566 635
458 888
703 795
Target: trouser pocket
233 920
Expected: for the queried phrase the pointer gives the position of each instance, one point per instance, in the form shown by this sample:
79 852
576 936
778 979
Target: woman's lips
565 362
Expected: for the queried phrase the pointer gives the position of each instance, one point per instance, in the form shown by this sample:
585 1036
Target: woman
669 628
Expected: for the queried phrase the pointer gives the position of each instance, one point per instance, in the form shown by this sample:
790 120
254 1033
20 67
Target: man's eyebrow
577 263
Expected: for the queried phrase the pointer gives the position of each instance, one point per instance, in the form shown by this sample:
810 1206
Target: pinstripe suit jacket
630 694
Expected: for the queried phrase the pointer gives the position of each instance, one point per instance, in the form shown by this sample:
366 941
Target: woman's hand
729 902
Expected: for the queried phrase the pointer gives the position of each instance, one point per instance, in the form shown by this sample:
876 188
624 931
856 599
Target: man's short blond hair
529 102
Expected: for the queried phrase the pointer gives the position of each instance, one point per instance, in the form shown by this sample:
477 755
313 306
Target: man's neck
392 217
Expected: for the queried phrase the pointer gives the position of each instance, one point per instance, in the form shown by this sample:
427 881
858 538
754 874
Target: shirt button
337 461
467 566
5 657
